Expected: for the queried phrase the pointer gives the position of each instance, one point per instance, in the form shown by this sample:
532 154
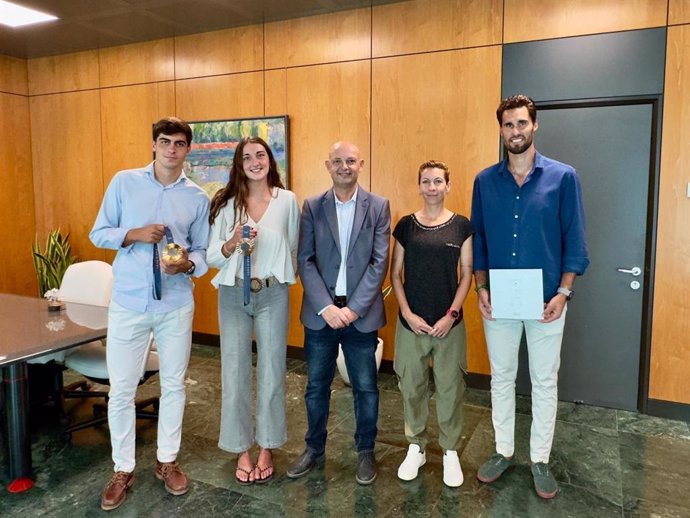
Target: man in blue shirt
527 213
143 211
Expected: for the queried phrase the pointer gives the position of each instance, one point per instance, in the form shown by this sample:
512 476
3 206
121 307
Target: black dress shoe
366 468
304 464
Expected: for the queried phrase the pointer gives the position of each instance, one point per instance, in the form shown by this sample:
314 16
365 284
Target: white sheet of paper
517 294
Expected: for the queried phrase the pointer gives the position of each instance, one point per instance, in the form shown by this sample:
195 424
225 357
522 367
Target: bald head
344 165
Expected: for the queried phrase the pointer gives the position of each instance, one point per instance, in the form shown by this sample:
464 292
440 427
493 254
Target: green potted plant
52 262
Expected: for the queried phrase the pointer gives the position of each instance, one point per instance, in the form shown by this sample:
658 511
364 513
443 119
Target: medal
172 252
246 246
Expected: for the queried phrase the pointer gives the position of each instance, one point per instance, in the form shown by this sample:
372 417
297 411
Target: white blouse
275 249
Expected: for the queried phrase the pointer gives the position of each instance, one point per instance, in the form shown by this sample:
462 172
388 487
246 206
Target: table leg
15 379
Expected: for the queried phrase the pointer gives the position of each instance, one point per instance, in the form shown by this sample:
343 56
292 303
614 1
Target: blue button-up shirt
135 199
540 224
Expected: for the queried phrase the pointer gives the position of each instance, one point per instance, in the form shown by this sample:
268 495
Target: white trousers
127 346
544 349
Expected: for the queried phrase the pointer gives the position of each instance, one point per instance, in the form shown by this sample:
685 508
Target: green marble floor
607 462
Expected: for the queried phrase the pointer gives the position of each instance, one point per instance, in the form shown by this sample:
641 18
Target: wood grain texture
429 25
127 115
65 73
439 106
67 167
137 63
219 52
14 75
275 89
678 11
326 38
527 20
670 354
222 97
16 197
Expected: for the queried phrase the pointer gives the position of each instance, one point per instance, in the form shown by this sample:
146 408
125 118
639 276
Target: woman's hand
442 326
236 238
417 324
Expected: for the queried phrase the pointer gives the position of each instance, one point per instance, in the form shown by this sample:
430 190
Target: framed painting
213 148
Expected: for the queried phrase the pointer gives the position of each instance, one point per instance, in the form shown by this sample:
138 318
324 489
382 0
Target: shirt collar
538 165
351 200
152 176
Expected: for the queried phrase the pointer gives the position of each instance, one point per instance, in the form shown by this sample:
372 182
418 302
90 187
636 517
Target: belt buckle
255 285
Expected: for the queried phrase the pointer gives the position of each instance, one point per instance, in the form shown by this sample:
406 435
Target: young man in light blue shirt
144 211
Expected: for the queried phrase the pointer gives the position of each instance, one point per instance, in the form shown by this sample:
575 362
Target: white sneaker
452 472
414 460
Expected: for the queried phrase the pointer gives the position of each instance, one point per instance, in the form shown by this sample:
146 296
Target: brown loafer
115 490
176 482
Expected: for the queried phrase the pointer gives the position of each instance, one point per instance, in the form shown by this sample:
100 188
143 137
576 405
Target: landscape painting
213 147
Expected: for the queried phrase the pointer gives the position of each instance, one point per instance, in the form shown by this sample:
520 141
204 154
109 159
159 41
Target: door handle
634 271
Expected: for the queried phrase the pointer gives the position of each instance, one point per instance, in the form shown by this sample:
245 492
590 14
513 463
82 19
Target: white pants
128 339
544 349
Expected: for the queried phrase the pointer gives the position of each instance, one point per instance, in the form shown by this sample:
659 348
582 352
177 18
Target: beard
520 147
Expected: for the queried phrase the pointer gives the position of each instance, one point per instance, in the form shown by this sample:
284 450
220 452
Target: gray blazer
318 259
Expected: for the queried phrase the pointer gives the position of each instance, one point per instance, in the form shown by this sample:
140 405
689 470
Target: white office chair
90 282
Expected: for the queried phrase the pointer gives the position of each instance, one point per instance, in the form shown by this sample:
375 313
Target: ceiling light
14 15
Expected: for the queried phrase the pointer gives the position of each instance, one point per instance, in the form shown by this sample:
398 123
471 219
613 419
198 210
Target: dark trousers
321 351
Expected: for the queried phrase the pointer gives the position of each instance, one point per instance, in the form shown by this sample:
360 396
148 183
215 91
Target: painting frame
209 161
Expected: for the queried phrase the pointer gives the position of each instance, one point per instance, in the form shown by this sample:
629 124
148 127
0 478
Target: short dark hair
171 126
517 101
433 164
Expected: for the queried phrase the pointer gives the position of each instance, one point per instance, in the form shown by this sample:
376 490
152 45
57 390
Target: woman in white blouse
254 197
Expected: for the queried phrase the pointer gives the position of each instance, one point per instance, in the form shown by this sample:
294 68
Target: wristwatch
453 314
191 268
565 291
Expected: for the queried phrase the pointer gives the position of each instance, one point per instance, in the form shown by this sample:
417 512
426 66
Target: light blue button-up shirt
345 210
135 199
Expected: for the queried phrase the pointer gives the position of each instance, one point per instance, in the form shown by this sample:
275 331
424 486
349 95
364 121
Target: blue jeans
321 351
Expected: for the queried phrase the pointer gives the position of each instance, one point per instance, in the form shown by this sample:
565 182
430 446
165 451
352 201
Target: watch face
454 314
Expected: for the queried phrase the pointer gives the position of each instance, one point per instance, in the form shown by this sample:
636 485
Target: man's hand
335 317
351 315
148 234
484 298
180 266
417 324
554 309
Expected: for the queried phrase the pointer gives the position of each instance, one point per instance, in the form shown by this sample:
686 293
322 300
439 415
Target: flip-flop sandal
260 480
243 482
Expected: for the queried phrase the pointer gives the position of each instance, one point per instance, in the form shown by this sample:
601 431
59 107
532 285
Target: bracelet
481 287
230 252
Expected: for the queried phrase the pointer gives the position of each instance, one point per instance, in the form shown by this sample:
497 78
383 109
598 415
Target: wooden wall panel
219 52
13 76
66 73
127 114
275 92
67 167
326 38
16 197
670 354
444 111
428 25
678 11
526 20
138 63
222 97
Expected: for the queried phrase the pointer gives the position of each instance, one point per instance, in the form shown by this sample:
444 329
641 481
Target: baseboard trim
668 409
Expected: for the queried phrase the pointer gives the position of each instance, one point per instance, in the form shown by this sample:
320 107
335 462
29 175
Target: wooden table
28 330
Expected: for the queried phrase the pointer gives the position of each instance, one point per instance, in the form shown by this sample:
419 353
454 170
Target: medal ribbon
156 273
247 268
168 235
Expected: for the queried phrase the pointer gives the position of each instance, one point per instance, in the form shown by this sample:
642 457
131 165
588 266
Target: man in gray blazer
342 261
